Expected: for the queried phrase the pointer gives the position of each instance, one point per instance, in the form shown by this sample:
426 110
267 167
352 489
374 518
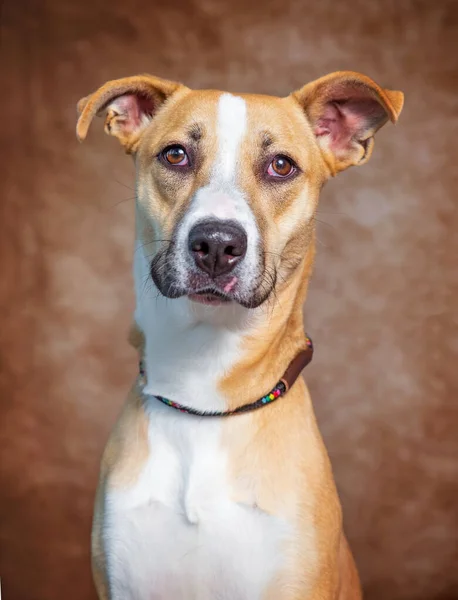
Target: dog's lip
209 296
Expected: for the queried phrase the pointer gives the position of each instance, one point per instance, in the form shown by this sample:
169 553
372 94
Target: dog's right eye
176 156
281 166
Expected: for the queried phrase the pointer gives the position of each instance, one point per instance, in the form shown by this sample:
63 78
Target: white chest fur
177 533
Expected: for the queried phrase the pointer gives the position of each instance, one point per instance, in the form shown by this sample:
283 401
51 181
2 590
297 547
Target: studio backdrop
385 374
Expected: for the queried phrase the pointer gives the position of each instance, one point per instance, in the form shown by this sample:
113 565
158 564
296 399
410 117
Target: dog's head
227 185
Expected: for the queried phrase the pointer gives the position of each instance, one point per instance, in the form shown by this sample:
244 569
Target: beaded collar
291 374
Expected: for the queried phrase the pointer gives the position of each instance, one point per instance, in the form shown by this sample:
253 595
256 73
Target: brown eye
281 166
176 156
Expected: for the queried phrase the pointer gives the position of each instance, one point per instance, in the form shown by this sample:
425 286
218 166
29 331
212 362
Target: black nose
217 246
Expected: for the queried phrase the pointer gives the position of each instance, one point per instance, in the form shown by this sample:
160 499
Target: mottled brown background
385 377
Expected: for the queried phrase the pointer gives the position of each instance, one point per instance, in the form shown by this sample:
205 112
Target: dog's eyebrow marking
196 132
267 140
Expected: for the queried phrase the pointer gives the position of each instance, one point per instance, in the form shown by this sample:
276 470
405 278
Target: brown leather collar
291 374
297 365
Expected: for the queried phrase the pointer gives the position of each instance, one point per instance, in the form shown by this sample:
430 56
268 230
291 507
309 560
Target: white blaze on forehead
231 127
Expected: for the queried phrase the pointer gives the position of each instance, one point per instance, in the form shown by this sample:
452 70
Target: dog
215 483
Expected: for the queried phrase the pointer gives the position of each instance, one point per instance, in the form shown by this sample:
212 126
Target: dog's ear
345 110
129 104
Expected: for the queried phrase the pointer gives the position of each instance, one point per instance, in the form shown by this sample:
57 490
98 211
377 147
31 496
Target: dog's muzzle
212 264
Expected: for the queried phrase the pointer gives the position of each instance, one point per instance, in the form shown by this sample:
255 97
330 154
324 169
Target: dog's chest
178 532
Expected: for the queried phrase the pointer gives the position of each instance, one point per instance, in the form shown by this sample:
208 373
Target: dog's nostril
201 247
234 251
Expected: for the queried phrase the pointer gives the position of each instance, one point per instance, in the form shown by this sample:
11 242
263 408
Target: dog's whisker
128 187
121 201
318 241
145 286
153 242
324 222
325 212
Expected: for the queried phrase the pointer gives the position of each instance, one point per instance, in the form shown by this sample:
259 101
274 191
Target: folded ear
345 110
129 103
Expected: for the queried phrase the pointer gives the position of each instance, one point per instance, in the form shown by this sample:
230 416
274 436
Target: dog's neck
216 358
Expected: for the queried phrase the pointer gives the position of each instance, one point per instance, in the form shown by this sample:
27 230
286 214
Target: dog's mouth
212 293
199 288
210 297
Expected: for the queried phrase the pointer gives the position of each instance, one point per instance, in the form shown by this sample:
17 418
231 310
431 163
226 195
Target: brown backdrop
384 380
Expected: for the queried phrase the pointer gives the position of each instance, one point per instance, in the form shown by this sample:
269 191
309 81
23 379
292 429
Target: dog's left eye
281 166
176 156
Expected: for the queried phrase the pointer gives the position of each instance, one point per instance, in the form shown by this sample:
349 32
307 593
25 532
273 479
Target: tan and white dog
242 507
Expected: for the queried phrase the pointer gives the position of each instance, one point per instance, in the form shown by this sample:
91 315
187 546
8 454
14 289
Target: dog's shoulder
127 448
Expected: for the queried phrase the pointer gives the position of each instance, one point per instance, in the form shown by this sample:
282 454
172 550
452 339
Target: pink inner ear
133 107
345 120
